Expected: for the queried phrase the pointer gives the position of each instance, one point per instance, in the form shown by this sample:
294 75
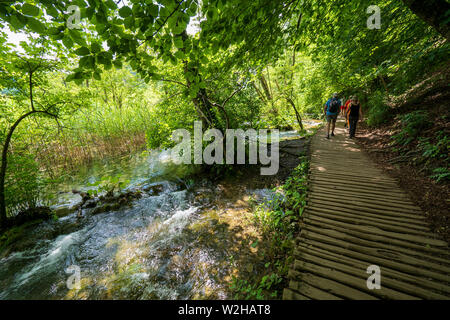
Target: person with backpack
331 111
354 114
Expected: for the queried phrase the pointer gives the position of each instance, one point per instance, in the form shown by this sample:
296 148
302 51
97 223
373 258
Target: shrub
278 220
23 184
379 111
412 124
441 174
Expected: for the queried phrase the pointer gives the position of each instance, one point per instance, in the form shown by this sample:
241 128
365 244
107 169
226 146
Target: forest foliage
130 72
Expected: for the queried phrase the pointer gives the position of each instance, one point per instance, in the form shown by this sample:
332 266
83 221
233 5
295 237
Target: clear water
151 250
169 246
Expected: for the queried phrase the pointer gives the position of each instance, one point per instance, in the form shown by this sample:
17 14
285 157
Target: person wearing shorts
342 113
331 115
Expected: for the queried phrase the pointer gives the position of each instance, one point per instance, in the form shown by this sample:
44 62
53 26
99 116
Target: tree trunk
4 165
297 114
261 96
269 82
201 102
433 12
265 87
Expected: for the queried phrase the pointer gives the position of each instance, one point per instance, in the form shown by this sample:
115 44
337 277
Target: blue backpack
334 106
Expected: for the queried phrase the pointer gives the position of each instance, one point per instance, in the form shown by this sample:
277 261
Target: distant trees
19 77
217 73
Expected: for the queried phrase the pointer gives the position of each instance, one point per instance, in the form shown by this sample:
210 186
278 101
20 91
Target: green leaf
58 36
30 10
111 4
125 11
51 11
36 25
163 12
90 12
128 22
180 55
96 47
204 60
190 76
83 51
178 42
97 76
153 9
70 77
54 31
67 41
18 22
87 62
192 9
101 28
75 35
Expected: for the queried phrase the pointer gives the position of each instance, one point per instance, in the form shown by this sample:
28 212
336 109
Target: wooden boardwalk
357 216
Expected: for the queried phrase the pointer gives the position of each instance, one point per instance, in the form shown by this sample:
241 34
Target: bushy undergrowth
417 144
23 184
278 220
378 110
412 125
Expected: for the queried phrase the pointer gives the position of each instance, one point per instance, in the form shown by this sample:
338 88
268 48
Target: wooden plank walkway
357 216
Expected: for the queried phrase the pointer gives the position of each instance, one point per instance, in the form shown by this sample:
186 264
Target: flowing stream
170 244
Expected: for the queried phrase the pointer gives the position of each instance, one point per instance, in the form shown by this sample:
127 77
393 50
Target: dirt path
356 217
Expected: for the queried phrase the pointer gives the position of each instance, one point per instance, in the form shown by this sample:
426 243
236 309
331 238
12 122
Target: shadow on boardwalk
357 217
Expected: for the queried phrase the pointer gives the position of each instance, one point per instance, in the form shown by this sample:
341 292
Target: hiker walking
346 110
354 113
342 113
331 111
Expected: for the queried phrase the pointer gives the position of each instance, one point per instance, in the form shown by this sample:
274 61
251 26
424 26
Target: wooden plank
350 280
333 189
355 182
386 218
367 221
358 186
376 256
358 195
357 269
336 238
311 292
289 294
351 176
333 287
379 211
377 231
400 221
381 239
338 197
327 167
342 234
356 216
444 290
